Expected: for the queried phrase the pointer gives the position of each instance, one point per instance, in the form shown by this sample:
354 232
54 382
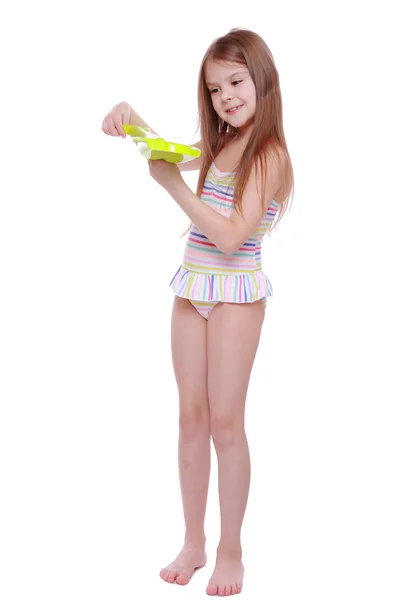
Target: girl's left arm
227 234
216 227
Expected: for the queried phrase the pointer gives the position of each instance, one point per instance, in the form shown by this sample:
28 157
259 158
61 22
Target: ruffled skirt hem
240 287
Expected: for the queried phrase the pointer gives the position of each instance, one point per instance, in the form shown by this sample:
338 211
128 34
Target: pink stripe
210 244
244 258
203 242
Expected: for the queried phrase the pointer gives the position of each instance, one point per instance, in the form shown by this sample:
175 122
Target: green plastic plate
155 148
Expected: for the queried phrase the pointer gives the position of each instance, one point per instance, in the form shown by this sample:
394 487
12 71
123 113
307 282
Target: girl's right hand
112 122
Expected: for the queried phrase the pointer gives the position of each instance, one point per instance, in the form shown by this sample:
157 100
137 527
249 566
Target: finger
109 127
120 129
105 126
114 130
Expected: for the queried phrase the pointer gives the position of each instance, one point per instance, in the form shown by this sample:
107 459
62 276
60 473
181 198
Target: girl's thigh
233 337
189 356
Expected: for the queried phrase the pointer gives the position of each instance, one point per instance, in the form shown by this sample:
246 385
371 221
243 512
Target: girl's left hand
166 174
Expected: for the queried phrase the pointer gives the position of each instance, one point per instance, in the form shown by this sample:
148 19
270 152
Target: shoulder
268 173
271 177
276 157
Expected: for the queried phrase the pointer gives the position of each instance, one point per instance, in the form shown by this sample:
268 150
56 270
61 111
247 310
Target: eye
237 81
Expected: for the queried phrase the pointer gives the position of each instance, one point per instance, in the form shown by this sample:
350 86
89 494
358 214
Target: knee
192 419
224 429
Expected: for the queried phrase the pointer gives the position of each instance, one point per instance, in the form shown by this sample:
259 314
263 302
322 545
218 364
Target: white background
90 498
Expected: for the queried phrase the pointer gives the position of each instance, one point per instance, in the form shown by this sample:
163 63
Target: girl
245 181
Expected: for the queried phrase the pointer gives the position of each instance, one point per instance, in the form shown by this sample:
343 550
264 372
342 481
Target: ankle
229 550
195 541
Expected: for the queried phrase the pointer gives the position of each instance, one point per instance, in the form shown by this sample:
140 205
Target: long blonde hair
247 48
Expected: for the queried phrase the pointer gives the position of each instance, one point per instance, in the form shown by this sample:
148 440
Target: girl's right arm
124 113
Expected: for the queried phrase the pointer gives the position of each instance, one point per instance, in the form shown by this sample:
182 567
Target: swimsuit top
206 272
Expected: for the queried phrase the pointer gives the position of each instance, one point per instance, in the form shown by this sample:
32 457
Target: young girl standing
245 181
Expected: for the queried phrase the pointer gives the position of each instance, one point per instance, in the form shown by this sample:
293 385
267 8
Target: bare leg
233 337
189 354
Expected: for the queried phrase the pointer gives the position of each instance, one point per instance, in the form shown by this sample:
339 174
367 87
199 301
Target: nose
227 96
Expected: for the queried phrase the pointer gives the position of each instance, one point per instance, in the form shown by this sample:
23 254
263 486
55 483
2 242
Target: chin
237 122
243 123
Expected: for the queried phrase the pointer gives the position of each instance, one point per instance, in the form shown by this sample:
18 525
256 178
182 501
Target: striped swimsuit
207 275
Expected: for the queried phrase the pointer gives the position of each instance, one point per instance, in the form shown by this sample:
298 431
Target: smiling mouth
231 111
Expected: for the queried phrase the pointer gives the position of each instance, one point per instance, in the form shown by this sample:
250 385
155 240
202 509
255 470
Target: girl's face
231 87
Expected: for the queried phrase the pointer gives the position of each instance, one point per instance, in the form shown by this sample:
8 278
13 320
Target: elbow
229 241
230 244
234 245
226 250
230 249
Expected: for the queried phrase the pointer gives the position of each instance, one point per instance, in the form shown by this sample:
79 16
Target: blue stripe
221 190
200 235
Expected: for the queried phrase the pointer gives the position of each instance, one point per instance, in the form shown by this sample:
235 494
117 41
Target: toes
183 578
173 576
229 590
212 589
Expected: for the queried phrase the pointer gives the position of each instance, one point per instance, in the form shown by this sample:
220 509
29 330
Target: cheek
250 94
215 104
250 101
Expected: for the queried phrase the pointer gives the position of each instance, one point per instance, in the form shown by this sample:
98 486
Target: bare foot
182 568
227 578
